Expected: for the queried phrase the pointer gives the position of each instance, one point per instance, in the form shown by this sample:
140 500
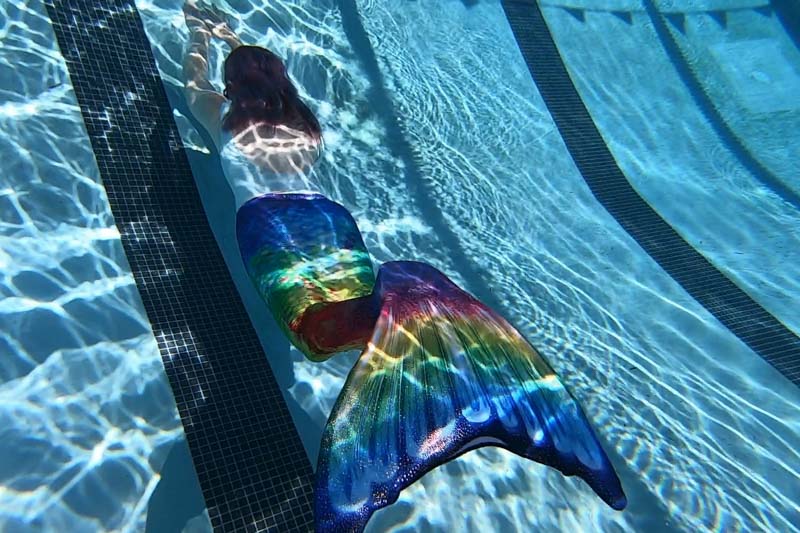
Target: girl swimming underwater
439 373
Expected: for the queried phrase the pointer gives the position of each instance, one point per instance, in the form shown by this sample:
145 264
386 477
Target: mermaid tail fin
441 375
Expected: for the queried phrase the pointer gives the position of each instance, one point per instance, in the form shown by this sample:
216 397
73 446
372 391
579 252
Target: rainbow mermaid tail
307 259
440 373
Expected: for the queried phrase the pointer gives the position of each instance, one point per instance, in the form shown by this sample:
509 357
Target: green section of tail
303 251
293 283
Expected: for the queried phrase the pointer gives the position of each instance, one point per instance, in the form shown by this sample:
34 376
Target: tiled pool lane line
251 465
750 322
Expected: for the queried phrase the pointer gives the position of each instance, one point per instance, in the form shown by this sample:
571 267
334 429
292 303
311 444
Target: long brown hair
261 92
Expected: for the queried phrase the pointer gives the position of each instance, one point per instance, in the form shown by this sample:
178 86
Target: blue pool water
440 144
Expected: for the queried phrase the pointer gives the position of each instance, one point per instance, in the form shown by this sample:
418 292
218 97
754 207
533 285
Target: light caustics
440 373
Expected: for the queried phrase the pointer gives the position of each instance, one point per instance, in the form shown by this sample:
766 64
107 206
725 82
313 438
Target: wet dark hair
247 66
261 92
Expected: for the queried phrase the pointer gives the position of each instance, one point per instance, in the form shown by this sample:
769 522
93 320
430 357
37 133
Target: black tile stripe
715 119
250 462
730 305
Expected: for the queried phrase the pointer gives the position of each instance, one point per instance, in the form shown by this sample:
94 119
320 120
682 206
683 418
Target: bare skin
204 100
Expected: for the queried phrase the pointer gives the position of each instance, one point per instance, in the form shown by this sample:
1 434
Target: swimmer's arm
205 102
206 107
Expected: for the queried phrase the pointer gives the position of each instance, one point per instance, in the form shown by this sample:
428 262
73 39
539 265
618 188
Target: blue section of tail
294 222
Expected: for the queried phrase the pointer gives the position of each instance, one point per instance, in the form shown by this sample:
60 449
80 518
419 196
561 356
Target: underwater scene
439 215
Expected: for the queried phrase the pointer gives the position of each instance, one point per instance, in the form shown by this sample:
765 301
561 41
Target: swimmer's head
252 72
260 92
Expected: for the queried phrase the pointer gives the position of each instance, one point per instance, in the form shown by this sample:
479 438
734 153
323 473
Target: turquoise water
473 178
86 414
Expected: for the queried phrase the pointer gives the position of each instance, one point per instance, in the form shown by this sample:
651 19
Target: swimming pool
445 149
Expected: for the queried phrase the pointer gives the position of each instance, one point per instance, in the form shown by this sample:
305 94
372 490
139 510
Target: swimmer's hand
199 14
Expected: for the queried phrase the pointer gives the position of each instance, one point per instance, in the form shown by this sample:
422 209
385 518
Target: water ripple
86 414
672 391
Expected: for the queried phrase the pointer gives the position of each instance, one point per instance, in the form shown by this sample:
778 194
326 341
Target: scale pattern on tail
441 375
